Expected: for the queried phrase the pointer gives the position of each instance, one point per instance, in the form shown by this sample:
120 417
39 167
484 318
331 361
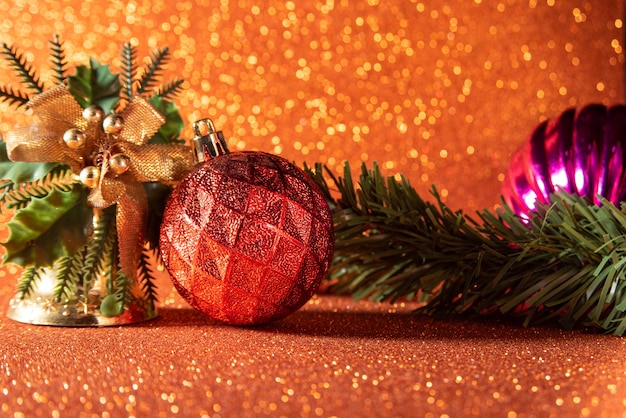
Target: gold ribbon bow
58 112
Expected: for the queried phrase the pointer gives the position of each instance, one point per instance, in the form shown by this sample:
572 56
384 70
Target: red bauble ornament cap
247 237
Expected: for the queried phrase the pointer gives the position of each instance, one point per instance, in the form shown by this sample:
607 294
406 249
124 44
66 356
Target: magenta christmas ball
582 151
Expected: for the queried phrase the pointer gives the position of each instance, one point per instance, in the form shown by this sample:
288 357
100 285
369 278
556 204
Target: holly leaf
170 130
48 228
95 85
20 172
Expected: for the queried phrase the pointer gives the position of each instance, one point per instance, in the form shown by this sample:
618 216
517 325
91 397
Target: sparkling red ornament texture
582 151
247 238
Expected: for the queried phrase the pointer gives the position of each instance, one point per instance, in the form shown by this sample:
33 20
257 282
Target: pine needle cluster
563 264
131 81
135 82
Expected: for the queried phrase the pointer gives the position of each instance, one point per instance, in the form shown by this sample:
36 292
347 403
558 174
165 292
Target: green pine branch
123 289
170 89
6 185
128 56
146 278
119 286
68 275
20 195
63 284
27 281
57 57
13 97
153 70
566 264
107 262
96 249
24 71
317 174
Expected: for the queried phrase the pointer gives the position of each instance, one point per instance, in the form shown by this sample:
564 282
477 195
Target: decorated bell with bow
79 228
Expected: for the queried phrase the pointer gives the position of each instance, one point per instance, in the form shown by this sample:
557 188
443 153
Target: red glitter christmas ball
247 238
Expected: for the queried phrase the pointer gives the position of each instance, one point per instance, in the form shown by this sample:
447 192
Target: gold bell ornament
78 189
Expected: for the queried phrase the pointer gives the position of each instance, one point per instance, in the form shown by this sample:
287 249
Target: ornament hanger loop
208 142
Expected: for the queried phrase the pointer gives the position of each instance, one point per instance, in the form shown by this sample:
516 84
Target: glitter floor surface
334 357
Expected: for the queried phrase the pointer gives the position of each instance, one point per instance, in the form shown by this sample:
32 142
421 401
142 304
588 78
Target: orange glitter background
441 92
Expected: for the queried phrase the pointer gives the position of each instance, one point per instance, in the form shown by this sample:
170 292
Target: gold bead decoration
93 114
90 176
113 124
74 138
119 163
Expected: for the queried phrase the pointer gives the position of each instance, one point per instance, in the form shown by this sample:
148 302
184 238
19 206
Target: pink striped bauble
582 151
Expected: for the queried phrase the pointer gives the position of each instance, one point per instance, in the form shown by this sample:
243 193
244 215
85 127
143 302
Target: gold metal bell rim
39 311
